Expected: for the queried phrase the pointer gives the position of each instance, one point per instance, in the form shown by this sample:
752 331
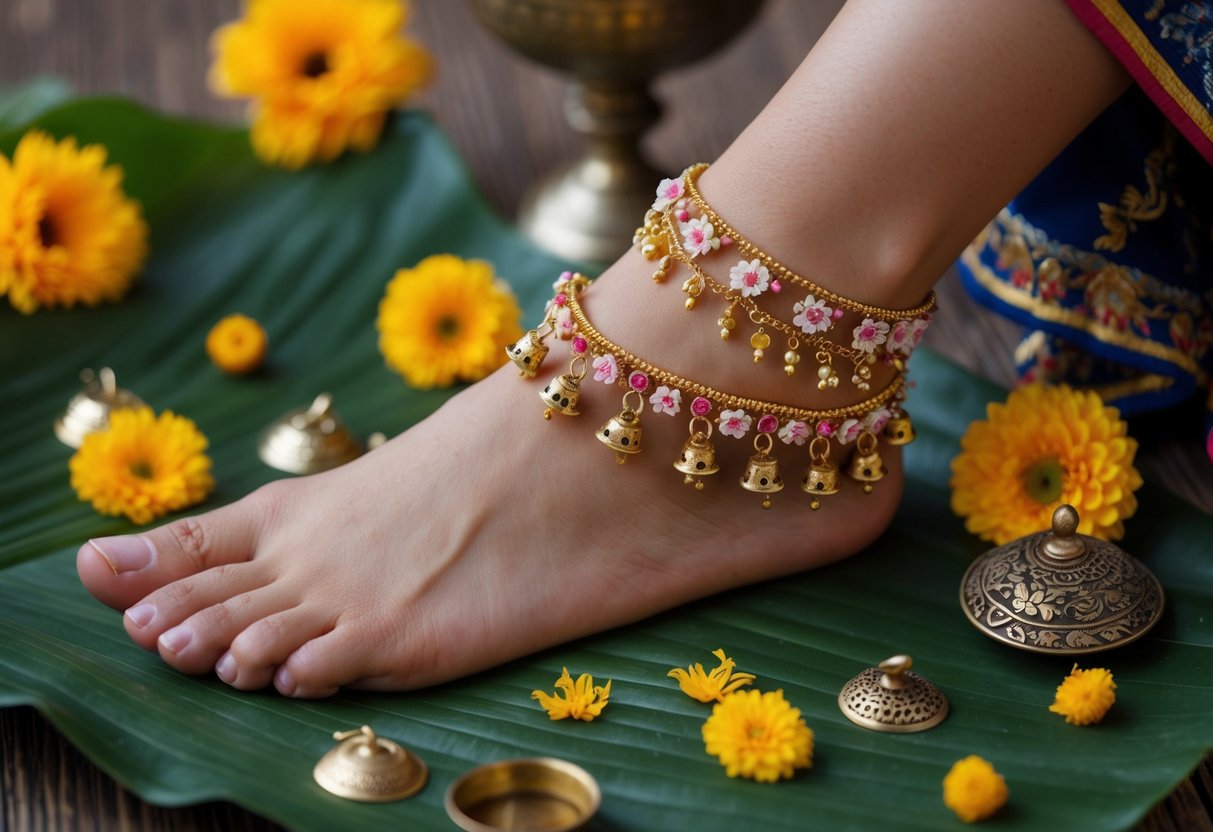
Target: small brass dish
89 410
540 794
1061 592
891 699
309 440
370 769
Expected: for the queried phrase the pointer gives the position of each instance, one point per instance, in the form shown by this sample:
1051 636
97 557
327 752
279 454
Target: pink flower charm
726 240
825 429
812 315
750 278
735 423
564 278
918 326
701 406
699 237
794 433
665 400
606 369
838 313
901 338
877 419
776 286
869 335
849 431
668 192
768 424
561 299
638 381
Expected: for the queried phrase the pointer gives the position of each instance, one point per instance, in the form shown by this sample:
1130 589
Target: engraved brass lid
370 769
1061 592
308 440
893 700
540 794
89 410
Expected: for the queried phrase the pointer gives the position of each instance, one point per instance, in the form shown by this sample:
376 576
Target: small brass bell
762 471
1061 592
308 440
528 353
866 466
892 699
370 769
560 395
821 480
899 430
622 433
698 458
89 410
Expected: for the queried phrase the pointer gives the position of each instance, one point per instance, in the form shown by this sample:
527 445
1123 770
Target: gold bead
699 485
791 357
824 372
758 355
789 369
727 322
760 340
690 303
724 335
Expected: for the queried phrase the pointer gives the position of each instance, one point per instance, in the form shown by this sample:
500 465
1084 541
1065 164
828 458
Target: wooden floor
495 108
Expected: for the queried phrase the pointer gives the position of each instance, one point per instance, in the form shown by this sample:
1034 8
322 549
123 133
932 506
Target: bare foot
482 534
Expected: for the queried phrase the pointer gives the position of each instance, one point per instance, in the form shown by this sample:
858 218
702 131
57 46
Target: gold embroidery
1148 383
1135 206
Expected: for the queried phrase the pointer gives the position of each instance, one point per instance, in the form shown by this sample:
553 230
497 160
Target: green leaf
22 104
308 254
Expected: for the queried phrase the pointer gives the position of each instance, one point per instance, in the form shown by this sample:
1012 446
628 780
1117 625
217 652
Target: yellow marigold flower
1046 446
447 320
582 700
973 789
322 74
1085 696
68 233
142 466
237 344
758 735
711 687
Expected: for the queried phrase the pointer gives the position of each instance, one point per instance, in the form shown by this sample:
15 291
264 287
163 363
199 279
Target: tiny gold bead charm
690 303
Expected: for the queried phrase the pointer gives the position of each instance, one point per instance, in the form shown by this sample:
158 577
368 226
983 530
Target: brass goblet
588 209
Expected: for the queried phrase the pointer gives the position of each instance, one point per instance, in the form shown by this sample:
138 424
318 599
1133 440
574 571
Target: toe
265 644
323 665
228 590
120 570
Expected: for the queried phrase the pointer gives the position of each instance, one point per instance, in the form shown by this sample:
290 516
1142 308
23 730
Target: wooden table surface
494 106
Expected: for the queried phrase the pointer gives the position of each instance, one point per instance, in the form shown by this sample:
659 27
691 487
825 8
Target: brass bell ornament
866 466
899 430
309 440
622 433
370 769
892 699
762 470
528 353
89 410
561 393
821 479
1061 592
698 458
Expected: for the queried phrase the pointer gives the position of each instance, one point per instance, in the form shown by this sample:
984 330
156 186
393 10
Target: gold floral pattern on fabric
1134 206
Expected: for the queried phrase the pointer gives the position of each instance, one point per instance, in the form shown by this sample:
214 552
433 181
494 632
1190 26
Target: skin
891 146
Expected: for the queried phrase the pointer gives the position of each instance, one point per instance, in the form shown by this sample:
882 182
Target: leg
885 152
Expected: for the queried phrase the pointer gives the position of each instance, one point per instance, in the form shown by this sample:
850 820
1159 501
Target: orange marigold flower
322 74
973 789
1085 695
711 687
582 699
237 344
759 736
68 233
142 466
447 320
1046 446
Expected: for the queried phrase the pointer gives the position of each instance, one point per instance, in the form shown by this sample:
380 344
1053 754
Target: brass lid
308 440
370 769
893 700
1061 592
541 794
89 410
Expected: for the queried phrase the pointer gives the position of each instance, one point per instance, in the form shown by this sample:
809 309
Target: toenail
177 639
284 682
225 668
141 615
125 553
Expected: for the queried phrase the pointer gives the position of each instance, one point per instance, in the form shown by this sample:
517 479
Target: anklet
860 423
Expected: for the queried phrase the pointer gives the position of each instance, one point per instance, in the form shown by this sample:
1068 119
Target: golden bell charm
866 465
622 433
899 430
528 353
762 471
821 480
698 457
90 409
560 395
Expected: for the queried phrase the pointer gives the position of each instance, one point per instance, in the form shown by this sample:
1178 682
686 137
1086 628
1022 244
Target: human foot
481 534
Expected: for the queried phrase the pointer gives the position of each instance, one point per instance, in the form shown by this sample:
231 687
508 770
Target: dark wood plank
495 107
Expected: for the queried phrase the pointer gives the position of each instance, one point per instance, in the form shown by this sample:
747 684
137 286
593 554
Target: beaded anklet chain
612 364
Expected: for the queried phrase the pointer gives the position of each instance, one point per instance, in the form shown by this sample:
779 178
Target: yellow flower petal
711 687
973 789
581 700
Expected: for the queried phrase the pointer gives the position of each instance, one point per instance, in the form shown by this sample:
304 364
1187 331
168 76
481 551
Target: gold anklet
860 423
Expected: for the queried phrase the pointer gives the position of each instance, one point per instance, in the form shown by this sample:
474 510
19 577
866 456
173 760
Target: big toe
120 570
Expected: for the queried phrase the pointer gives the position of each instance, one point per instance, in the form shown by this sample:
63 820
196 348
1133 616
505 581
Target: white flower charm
735 423
698 236
794 433
812 315
563 323
901 338
849 431
668 192
877 419
918 326
606 368
665 400
869 335
750 278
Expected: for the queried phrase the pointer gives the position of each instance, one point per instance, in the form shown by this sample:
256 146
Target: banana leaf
309 254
